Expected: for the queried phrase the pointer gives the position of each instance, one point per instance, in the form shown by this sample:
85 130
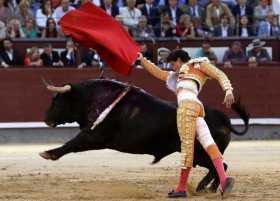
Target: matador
186 80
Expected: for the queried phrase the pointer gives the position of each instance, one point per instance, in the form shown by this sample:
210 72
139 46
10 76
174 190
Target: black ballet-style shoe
174 194
228 187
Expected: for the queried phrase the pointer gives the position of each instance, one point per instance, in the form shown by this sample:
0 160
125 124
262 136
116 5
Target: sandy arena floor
108 175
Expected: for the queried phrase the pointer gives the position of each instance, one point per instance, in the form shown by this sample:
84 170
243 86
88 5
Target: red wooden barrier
23 97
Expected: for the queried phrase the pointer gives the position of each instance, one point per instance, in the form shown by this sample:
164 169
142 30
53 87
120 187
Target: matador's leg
206 140
187 113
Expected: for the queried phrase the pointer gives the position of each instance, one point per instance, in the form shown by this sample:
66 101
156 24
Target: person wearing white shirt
130 14
269 27
224 29
43 14
60 11
276 8
262 10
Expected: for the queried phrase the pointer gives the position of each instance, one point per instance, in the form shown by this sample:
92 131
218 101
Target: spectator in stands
12 5
110 8
61 10
257 53
206 51
230 3
32 58
5 13
252 62
261 11
35 5
234 54
130 14
195 10
162 59
224 29
143 30
151 12
243 9
200 30
8 55
91 59
276 8
253 3
166 28
29 30
3 31
50 57
120 3
43 14
51 30
14 29
119 18
269 27
24 11
173 11
182 4
146 52
203 3
185 27
81 2
69 55
214 12
160 4
244 29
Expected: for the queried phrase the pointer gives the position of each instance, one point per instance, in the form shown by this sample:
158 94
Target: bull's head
65 107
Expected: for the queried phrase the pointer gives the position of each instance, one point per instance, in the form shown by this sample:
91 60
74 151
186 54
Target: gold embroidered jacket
199 69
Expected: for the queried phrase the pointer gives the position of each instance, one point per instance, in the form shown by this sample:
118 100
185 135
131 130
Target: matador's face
176 65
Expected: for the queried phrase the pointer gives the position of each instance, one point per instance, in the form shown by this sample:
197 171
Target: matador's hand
139 56
229 98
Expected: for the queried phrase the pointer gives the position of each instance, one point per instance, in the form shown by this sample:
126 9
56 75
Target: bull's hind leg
84 141
215 184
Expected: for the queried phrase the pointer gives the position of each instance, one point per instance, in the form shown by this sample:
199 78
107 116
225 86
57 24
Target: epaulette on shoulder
197 61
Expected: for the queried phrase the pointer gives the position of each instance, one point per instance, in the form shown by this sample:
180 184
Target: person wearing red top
185 28
32 58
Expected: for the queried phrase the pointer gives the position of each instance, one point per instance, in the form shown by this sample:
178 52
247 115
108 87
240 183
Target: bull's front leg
84 141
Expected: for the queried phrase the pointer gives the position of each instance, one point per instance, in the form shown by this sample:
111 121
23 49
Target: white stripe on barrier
11 125
8 125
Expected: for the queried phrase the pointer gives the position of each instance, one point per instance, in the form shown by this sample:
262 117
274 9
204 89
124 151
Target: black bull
140 124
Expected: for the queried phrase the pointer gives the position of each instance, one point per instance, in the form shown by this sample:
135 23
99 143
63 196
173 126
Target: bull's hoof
213 189
201 190
48 156
228 187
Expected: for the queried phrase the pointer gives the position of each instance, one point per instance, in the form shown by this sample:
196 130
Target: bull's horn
45 82
61 90
55 89
101 76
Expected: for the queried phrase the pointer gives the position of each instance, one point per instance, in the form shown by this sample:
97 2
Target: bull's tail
244 115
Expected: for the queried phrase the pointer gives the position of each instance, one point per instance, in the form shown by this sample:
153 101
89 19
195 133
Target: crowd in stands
143 19
48 57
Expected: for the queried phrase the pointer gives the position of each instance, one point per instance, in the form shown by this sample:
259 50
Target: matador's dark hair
178 54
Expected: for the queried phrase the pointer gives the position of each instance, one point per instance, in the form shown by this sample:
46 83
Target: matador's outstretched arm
153 69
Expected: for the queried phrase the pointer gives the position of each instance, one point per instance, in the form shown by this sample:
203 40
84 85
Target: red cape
94 28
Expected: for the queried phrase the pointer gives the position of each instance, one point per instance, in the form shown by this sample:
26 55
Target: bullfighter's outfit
187 82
